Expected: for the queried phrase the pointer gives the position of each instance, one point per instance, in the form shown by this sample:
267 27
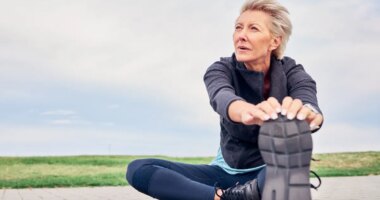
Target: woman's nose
241 35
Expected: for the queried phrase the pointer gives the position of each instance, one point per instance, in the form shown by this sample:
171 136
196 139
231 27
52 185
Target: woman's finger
294 108
254 116
285 105
268 109
259 114
316 122
311 117
275 104
303 113
247 118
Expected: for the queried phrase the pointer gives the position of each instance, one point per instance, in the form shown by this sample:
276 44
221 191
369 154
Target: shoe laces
231 193
316 175
315 160
319 179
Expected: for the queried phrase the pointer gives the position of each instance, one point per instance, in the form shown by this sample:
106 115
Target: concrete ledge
342 188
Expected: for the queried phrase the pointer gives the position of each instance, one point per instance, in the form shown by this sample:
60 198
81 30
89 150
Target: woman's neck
261 65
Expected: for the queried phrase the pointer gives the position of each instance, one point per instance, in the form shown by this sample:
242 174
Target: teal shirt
219 161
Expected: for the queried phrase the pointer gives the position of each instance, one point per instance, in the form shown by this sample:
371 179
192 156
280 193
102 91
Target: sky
123 77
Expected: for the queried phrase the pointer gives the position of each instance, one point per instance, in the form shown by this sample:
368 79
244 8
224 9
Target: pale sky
126 77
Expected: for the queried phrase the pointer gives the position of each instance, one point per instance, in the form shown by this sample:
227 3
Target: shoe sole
286 147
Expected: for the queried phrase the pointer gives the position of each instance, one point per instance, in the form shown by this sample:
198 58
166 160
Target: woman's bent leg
167 180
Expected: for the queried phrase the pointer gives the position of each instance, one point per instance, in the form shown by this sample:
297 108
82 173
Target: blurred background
125 77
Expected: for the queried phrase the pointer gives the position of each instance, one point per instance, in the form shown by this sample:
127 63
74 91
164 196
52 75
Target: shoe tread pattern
286 147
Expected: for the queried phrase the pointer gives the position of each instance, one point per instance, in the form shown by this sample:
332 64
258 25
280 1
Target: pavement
342 188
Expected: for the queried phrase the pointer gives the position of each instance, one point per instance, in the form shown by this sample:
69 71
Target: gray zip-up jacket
228 80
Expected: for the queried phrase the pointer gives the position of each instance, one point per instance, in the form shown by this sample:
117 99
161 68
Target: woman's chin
243 58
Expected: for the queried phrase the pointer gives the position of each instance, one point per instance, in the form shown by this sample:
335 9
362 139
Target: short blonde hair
281 24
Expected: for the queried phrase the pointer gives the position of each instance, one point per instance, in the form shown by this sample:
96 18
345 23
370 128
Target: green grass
76 171
71 171
347 164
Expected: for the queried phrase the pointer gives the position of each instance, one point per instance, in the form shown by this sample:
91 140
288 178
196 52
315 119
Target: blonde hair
281 24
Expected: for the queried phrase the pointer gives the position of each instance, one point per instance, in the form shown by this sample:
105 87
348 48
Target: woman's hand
295 108
246 113
249 114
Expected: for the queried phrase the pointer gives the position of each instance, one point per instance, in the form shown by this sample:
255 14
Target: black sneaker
248 191
286 147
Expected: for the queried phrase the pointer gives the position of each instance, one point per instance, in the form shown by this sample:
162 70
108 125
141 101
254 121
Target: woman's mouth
243 48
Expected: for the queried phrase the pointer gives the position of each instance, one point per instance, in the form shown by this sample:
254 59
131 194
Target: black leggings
166 180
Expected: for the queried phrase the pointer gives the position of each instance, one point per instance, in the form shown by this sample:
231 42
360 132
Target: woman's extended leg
168 180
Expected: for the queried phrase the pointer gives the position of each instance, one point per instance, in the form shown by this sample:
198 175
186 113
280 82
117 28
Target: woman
255 85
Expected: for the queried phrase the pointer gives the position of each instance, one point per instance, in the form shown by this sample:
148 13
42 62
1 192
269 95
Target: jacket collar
278 88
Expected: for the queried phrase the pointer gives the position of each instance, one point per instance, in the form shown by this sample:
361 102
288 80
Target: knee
133 167
139 174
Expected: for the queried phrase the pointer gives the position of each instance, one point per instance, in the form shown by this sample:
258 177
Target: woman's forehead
253 17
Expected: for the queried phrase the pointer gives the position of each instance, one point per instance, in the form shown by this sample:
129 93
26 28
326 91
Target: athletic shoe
286 147
248 191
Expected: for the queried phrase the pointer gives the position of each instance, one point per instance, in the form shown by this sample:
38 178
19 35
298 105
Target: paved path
345 188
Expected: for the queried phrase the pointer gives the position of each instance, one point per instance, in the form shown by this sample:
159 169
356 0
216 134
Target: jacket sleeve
300 84
219 85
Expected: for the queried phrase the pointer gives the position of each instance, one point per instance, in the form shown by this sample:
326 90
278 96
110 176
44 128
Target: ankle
218 194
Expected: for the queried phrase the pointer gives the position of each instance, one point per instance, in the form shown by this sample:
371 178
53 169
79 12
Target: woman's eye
254 28
238 27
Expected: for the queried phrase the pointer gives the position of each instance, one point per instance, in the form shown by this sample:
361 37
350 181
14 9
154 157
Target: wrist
312 108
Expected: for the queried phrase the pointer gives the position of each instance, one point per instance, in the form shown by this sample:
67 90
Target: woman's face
253 40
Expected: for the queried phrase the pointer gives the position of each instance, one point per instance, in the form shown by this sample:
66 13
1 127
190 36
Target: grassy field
75 171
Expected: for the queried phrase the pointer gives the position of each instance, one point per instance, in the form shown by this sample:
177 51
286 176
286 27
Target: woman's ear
276 42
